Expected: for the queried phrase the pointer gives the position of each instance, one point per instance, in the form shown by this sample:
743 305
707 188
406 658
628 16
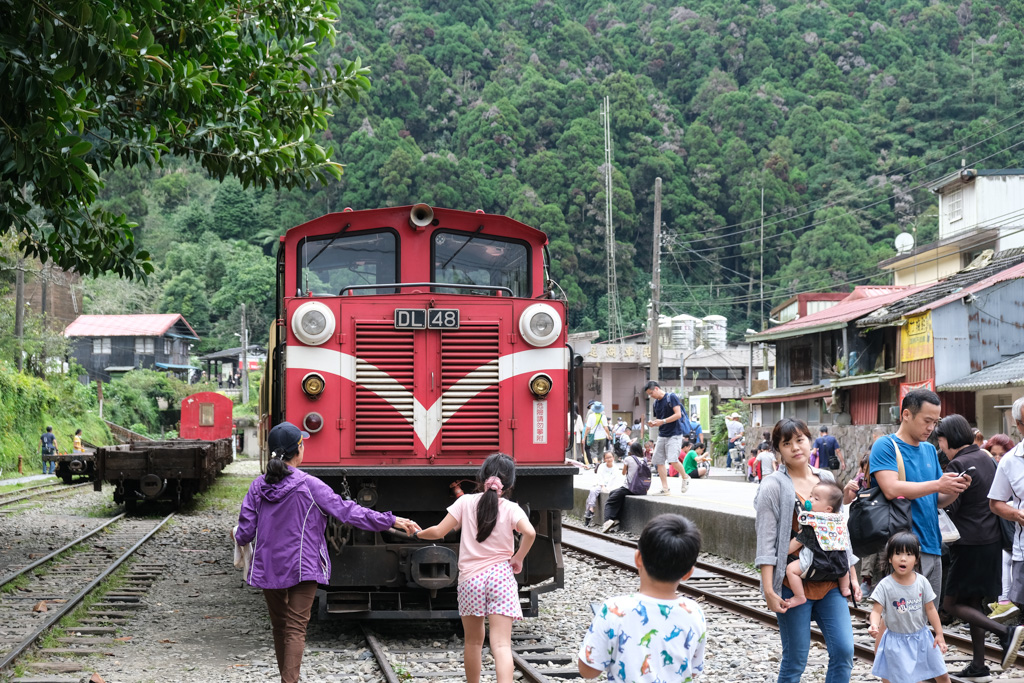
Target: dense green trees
838 111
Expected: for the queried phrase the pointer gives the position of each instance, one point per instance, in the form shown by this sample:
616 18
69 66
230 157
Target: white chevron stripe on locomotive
427 422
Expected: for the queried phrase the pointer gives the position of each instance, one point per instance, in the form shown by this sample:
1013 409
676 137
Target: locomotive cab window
205 414
472 259
332 263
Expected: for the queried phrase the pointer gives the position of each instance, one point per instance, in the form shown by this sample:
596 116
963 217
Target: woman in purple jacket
284 515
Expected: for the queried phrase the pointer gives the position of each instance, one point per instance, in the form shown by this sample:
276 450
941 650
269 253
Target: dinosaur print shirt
639 639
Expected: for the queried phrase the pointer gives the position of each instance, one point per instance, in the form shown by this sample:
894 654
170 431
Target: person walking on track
488 563
779 497
284 516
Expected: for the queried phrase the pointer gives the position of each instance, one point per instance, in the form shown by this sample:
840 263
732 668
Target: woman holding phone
972 559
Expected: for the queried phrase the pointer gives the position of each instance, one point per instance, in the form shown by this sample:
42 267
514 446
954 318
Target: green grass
225 495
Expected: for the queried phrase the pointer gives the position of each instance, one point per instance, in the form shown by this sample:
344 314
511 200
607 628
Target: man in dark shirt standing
826 446
49 443
669 418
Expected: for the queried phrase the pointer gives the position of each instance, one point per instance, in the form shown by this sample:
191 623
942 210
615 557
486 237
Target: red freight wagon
206 415
411 343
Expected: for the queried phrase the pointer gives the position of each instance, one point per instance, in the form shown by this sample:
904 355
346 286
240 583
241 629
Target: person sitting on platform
696 464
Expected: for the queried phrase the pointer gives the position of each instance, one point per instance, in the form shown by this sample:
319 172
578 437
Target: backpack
642 479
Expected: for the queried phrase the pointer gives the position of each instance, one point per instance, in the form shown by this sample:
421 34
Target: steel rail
529 673
41 493
74 601
762 615
25 570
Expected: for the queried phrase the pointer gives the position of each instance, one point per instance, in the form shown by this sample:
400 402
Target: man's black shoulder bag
874 518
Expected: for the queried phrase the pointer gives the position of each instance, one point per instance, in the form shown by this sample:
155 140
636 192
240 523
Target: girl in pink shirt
488 562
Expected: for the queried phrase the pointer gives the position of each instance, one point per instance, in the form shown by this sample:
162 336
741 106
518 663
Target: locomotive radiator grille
384 385
469 380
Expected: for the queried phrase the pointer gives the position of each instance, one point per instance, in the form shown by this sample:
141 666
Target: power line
857 210
740 299
959 151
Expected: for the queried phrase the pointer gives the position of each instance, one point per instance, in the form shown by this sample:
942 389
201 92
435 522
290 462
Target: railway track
533 660
11 497
740 594
51 587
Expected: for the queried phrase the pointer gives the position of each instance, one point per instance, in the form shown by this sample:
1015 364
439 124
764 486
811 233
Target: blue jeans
49 466
832 614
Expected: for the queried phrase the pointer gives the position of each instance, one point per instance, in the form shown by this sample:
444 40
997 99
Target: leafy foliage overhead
87 84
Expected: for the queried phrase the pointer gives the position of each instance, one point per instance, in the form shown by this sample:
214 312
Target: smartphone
969 471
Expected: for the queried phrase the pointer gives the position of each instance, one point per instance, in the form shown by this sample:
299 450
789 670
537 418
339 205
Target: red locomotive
411 343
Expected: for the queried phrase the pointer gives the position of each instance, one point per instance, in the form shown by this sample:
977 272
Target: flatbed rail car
74 464
169 470
411 343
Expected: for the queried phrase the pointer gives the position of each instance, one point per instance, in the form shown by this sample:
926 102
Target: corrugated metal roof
780 394
1008 373
862 301
925 297
142 325
1014 273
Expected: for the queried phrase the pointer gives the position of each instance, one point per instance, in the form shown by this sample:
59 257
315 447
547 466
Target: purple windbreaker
286 523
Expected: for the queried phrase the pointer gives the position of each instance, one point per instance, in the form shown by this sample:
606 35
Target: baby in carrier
820 544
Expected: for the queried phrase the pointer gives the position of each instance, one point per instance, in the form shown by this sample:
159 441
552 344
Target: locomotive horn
421 216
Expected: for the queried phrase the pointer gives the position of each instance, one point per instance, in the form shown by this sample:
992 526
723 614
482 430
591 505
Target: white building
979 210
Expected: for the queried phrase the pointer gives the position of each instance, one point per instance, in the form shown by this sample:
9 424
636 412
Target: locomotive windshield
474 259
333 262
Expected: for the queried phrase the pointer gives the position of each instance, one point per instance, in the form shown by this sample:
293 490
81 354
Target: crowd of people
807 567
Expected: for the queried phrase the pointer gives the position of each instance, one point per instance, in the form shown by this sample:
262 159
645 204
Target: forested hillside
840 111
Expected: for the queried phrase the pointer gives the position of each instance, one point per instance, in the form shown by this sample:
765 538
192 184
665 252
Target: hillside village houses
956 327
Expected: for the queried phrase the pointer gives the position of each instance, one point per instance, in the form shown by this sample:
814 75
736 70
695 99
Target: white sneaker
608 525
662 492
685 486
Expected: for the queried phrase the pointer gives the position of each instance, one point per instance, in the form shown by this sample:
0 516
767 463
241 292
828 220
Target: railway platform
721 505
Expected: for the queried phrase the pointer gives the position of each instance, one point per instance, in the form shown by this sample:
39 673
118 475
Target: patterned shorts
492 591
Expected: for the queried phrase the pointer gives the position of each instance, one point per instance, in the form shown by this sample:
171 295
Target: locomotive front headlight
540 325
313 323
540 385
313 385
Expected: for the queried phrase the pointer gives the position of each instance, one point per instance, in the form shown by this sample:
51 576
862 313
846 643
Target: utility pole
19 312
614 325
656 284
761 302
245 359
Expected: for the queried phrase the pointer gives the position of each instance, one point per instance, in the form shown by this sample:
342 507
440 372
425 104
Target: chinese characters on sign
540 421
621 353
916 338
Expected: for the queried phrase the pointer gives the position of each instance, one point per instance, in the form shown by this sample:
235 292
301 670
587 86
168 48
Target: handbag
833 462
874 518
1009 529
950 534
590 435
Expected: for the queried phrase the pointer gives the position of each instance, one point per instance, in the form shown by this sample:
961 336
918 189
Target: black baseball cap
284 439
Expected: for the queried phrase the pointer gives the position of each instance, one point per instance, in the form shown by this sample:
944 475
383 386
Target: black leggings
613 506
969 609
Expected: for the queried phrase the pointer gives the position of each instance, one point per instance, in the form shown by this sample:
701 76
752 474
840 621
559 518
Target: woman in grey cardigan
776 503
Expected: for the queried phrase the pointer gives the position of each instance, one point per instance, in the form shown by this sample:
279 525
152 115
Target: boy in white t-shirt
655 630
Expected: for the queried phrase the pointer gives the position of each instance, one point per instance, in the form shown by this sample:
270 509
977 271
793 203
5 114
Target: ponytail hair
277 468
497 476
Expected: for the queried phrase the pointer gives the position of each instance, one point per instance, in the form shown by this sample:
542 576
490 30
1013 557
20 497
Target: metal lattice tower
614 323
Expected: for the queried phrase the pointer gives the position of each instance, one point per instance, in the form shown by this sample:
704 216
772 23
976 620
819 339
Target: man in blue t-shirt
669 418
825 446
49 447
926 486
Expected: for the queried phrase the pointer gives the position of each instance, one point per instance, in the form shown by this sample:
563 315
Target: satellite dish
904 242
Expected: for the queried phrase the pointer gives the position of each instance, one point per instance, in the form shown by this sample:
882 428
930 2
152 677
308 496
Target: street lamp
682 371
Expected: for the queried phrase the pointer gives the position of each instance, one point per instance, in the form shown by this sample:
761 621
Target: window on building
955 204
168 347
800 365
101 345
205 414
144 345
